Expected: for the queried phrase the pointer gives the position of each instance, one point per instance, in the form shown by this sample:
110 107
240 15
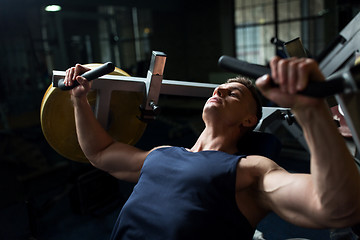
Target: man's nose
221 92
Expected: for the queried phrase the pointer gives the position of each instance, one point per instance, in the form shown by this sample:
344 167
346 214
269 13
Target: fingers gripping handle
314 89
90 75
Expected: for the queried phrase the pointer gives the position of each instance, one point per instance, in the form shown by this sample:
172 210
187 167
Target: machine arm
345 81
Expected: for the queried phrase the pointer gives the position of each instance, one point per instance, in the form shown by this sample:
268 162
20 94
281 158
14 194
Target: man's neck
224 140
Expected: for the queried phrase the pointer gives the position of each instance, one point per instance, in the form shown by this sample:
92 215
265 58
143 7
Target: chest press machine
337 64
124 104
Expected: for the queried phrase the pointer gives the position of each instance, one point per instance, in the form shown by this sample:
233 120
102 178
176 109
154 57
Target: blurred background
46 196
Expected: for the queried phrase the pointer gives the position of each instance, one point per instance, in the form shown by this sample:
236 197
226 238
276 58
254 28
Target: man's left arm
330 195
334 173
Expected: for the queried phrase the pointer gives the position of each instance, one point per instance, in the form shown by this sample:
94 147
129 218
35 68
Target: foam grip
242 67
314 89
104 69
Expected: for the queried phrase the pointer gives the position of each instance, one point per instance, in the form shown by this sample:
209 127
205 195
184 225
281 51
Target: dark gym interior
46 196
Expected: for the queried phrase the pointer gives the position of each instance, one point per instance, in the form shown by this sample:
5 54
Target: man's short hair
249 85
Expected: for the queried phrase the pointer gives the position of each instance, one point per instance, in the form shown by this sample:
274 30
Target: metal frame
343 53
151 86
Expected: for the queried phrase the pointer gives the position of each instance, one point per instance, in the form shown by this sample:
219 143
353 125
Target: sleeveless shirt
184 195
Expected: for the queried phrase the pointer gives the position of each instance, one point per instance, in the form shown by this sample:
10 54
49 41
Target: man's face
231 102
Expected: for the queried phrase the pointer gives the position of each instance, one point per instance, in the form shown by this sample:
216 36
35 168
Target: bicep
289 195
292 197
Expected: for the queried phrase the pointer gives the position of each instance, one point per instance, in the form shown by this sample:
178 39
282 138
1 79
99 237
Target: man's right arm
120 160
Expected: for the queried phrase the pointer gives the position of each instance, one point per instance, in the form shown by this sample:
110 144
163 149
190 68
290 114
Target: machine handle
104 69
314 89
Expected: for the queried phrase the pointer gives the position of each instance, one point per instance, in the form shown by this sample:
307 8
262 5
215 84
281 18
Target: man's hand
292 75
73 74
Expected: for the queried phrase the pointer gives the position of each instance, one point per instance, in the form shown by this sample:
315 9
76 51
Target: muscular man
209 192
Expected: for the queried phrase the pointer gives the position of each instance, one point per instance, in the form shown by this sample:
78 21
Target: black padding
260 143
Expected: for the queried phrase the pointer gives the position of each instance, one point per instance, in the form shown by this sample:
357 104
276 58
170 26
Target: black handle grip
314 89
242 67
104 69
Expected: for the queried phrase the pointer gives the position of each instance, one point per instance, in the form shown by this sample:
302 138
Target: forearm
333 170
91 135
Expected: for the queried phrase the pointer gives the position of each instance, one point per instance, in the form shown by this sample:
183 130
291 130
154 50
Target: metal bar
154 79
131 84
190 89
108 83
102 106
137 84
290 20
350 105
341 52
276 21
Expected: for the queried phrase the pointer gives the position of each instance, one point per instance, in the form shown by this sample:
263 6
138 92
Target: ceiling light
52 8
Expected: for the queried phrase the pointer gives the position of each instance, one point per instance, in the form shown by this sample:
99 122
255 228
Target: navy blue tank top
184 195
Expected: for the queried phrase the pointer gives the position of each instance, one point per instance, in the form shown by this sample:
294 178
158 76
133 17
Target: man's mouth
214 99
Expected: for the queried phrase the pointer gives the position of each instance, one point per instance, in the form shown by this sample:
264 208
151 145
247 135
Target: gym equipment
345 81
122 104
290 48
148 90
336 63
90 75
344 51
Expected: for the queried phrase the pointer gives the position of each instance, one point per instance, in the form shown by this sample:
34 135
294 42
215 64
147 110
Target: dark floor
47 197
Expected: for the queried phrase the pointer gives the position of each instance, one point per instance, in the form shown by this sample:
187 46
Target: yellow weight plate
58 122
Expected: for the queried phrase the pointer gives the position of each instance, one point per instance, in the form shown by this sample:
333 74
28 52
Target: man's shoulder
160 147
257 165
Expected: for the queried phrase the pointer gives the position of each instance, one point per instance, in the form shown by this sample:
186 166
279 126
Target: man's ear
250 121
